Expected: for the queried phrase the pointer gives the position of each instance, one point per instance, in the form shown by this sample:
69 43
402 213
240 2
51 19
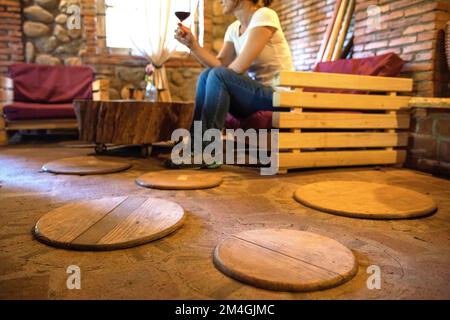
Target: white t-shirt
275 56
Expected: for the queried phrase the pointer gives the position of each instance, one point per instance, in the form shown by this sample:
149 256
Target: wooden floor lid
365 200
180 179
285 260
109 223
86 166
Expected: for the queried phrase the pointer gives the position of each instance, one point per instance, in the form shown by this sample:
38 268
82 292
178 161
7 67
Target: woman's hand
185 36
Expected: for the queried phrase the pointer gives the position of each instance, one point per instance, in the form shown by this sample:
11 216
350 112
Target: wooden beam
433 103
327 35
340 158
42 124
341 140
339 101
334 34
344 30
342 81
322 120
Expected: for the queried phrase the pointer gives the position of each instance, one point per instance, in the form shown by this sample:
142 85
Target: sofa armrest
6 96
100 90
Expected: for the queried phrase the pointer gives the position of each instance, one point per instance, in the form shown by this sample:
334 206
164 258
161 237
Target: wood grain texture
285 260
342 81
340 101
131 122
180 180
109 223
323 120
341 140
321 159
365 200
86 166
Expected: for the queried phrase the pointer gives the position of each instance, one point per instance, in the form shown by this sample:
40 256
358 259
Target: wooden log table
127 122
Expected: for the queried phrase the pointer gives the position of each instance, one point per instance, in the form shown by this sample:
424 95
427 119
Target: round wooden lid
86 166
109 223
365 200
180 180
285 260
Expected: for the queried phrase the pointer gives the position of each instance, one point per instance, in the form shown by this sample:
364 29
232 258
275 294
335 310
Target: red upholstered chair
387 65
40 96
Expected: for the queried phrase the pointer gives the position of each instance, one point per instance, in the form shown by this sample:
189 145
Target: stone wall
48 39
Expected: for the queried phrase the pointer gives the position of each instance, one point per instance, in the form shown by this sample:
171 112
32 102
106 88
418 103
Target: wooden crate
341 129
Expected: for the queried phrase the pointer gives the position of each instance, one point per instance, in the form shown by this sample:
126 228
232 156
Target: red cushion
258 120
51 84
32 111
387 65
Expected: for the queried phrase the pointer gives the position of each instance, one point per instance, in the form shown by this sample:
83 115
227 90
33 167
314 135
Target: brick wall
11 46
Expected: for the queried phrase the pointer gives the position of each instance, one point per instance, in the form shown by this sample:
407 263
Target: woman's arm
257 39
225 57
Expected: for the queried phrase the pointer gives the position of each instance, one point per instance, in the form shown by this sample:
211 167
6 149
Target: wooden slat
6 82
433 103
341 140
342 81
6 95
340 158
322 120
339 101
100 84
41 124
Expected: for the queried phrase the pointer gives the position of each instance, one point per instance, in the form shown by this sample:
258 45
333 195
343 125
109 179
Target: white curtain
152 35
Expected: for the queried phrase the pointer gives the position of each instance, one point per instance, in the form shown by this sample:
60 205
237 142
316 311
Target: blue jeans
221 91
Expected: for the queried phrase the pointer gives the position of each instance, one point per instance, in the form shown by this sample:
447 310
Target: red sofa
47 92
40 96
387 65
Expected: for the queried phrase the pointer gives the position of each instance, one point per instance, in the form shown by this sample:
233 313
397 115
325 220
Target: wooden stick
344 30
334 34
328 32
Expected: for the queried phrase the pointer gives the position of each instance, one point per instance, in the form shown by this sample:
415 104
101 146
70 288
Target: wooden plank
340 158
334 34
6 95
339 101
342 81
326 38
41 124
341 140
434 103
100 84
3 137
344 30
100 96
6 82
322 120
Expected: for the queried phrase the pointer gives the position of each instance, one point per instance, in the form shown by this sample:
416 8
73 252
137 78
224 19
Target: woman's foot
170 165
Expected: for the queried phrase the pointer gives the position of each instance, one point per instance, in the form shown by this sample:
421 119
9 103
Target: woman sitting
239 79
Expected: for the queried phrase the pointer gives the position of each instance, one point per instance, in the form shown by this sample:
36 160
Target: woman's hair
266 3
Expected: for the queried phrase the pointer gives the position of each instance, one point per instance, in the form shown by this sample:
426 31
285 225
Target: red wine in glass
182 15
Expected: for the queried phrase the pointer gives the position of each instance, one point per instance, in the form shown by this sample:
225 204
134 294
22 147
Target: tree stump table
127 122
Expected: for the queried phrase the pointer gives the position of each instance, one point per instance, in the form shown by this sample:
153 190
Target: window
121 14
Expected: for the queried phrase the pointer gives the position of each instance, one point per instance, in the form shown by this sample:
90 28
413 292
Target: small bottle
151 92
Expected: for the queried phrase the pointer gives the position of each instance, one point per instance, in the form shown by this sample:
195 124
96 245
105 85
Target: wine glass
184 10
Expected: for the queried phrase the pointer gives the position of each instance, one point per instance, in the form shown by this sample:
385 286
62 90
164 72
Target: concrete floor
414 255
